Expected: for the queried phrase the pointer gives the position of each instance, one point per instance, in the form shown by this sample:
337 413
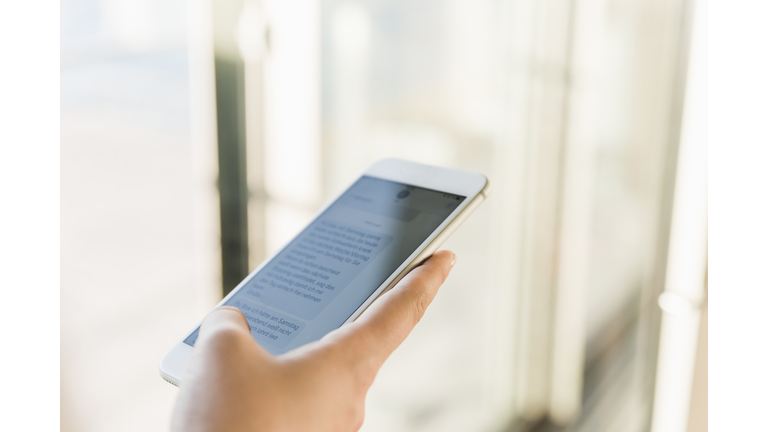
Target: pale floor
126 239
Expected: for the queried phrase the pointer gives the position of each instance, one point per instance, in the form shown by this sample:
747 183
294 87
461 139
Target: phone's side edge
436 242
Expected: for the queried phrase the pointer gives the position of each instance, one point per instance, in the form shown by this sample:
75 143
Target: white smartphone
392 218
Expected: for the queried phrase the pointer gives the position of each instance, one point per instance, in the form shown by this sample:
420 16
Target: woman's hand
233 384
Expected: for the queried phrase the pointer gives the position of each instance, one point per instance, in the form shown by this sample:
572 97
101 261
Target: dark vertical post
232 181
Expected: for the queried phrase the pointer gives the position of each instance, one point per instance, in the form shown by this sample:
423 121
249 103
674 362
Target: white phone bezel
448 180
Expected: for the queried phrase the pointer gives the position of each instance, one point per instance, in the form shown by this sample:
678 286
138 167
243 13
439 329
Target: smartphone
391 219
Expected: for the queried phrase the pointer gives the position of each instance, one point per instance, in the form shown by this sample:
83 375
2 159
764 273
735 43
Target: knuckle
421 302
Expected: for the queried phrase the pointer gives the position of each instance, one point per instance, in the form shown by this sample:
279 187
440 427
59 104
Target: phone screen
324 274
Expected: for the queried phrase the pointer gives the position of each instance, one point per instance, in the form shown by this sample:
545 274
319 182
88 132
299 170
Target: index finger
223 331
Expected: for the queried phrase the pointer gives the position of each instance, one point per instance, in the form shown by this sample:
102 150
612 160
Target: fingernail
453 260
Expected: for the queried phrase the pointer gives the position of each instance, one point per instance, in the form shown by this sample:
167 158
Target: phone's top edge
417 164
423 173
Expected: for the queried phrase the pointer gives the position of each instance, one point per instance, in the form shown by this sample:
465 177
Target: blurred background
198 136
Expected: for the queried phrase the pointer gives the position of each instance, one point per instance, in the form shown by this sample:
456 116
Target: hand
233 384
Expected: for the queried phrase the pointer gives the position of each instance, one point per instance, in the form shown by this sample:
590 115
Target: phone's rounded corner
167 377
174 363
486 190
165 367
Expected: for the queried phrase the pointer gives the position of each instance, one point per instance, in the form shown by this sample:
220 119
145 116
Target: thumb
389 319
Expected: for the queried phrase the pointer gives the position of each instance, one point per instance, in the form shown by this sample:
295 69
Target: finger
224 358
390 319
225 318
223 330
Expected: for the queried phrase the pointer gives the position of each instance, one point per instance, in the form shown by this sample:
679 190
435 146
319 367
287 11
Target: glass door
572 109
